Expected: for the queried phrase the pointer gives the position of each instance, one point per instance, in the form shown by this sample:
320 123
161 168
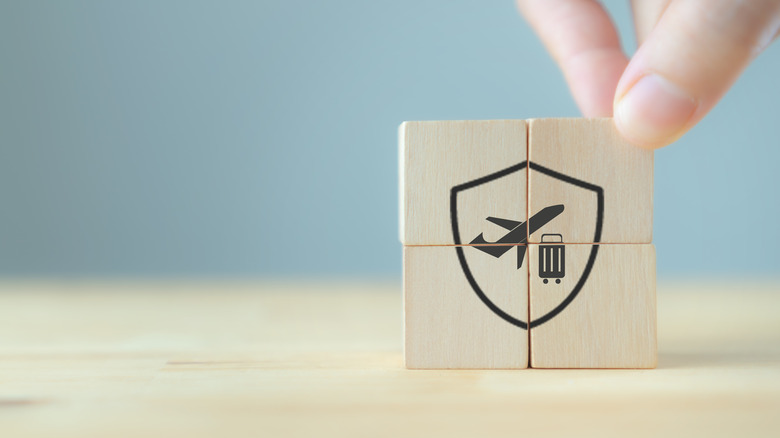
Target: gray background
174 138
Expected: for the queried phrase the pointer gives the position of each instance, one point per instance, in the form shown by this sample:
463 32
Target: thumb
689 60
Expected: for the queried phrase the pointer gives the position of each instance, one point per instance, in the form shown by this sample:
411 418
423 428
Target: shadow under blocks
527 243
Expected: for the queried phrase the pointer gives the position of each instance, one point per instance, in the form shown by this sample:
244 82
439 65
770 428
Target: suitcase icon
552 259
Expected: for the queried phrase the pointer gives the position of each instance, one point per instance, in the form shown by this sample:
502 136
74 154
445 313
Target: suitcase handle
560 238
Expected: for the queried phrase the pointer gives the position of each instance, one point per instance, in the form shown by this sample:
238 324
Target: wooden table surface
324 359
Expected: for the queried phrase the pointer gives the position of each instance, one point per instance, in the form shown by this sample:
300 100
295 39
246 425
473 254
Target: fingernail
654 112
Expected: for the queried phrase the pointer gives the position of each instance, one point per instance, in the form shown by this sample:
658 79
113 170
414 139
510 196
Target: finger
583 41
646 15
689 60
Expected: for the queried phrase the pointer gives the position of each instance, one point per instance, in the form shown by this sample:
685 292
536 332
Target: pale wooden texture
446 323
593 151
612 321
324 359
437 156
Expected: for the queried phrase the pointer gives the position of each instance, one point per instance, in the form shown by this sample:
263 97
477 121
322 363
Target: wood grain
437 156
446 323
303 358
611 323
591 150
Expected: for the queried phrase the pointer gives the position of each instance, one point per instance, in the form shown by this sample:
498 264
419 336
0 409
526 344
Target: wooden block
460 172
604 183
450 322
602 314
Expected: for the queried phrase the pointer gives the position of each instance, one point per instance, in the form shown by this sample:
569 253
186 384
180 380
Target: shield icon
468 201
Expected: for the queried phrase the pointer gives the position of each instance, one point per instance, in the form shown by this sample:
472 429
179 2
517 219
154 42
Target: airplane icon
517 233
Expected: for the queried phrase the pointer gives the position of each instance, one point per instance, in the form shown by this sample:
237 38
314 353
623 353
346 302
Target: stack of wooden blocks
526 244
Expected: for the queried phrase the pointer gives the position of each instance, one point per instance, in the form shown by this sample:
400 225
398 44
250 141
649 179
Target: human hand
690 53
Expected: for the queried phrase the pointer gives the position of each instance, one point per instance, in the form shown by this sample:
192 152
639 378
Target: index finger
582 39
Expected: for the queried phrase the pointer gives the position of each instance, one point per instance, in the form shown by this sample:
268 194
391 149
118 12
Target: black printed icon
583 190
517 233
552 259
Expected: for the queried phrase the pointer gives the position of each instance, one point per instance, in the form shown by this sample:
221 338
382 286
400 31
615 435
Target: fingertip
593 78
654 112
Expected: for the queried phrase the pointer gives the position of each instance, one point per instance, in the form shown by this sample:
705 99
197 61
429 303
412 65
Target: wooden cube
460 172
592 306
604 183
462 307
